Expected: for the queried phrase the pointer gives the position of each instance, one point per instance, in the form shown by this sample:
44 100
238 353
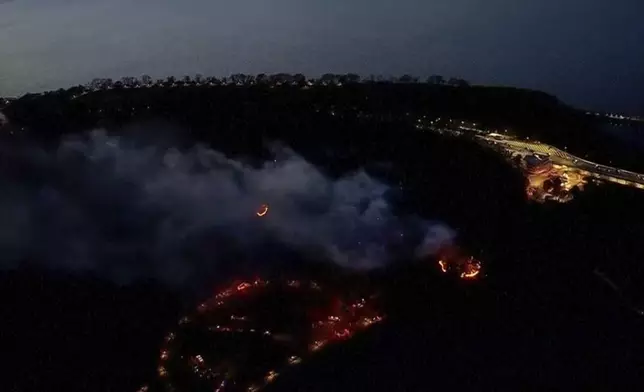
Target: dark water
632 134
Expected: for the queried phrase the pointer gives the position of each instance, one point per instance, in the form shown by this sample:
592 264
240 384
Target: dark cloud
125 208
588 53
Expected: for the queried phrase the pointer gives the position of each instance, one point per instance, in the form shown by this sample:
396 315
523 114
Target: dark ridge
262 110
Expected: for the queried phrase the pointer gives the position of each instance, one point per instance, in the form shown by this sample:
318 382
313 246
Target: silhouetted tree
300 79
328 78
406 78
239 79
353 78
436 79
95 84
146 80
456 82
261 78
129 81
213 81
76 90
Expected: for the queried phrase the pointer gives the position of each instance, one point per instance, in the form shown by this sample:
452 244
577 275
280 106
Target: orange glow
263 210
270 377
317 345
294 360
345 333
470 275
472 269
337 318
453 259
243 286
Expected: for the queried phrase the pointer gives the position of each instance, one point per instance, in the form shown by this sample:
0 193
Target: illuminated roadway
557 156
562 158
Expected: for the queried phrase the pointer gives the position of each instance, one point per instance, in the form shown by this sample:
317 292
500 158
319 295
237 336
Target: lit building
536 165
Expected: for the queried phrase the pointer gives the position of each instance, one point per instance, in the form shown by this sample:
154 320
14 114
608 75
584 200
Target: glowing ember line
243 286
337 319
263 210
470 275
333 317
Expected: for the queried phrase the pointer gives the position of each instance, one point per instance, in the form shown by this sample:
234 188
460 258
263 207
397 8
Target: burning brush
451 259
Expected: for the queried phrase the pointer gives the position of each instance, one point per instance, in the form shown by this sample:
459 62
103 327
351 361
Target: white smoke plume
127 210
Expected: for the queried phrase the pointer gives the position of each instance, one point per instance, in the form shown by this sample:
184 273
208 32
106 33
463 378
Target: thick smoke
110 205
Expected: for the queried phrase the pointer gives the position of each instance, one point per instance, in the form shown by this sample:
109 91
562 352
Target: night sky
589 53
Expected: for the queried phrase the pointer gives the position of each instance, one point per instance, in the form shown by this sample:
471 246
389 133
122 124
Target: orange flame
243 286
472 269
470 275
337 320
263 210
453 259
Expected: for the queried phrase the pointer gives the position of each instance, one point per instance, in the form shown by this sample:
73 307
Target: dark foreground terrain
540 317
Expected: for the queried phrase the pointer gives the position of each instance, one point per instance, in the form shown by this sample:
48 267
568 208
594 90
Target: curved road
608 173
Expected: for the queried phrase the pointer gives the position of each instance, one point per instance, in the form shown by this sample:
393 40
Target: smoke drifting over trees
130 209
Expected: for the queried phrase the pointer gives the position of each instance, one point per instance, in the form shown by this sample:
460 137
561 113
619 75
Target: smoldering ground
127 209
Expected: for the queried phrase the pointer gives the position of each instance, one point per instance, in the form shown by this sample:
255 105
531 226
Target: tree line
241 79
